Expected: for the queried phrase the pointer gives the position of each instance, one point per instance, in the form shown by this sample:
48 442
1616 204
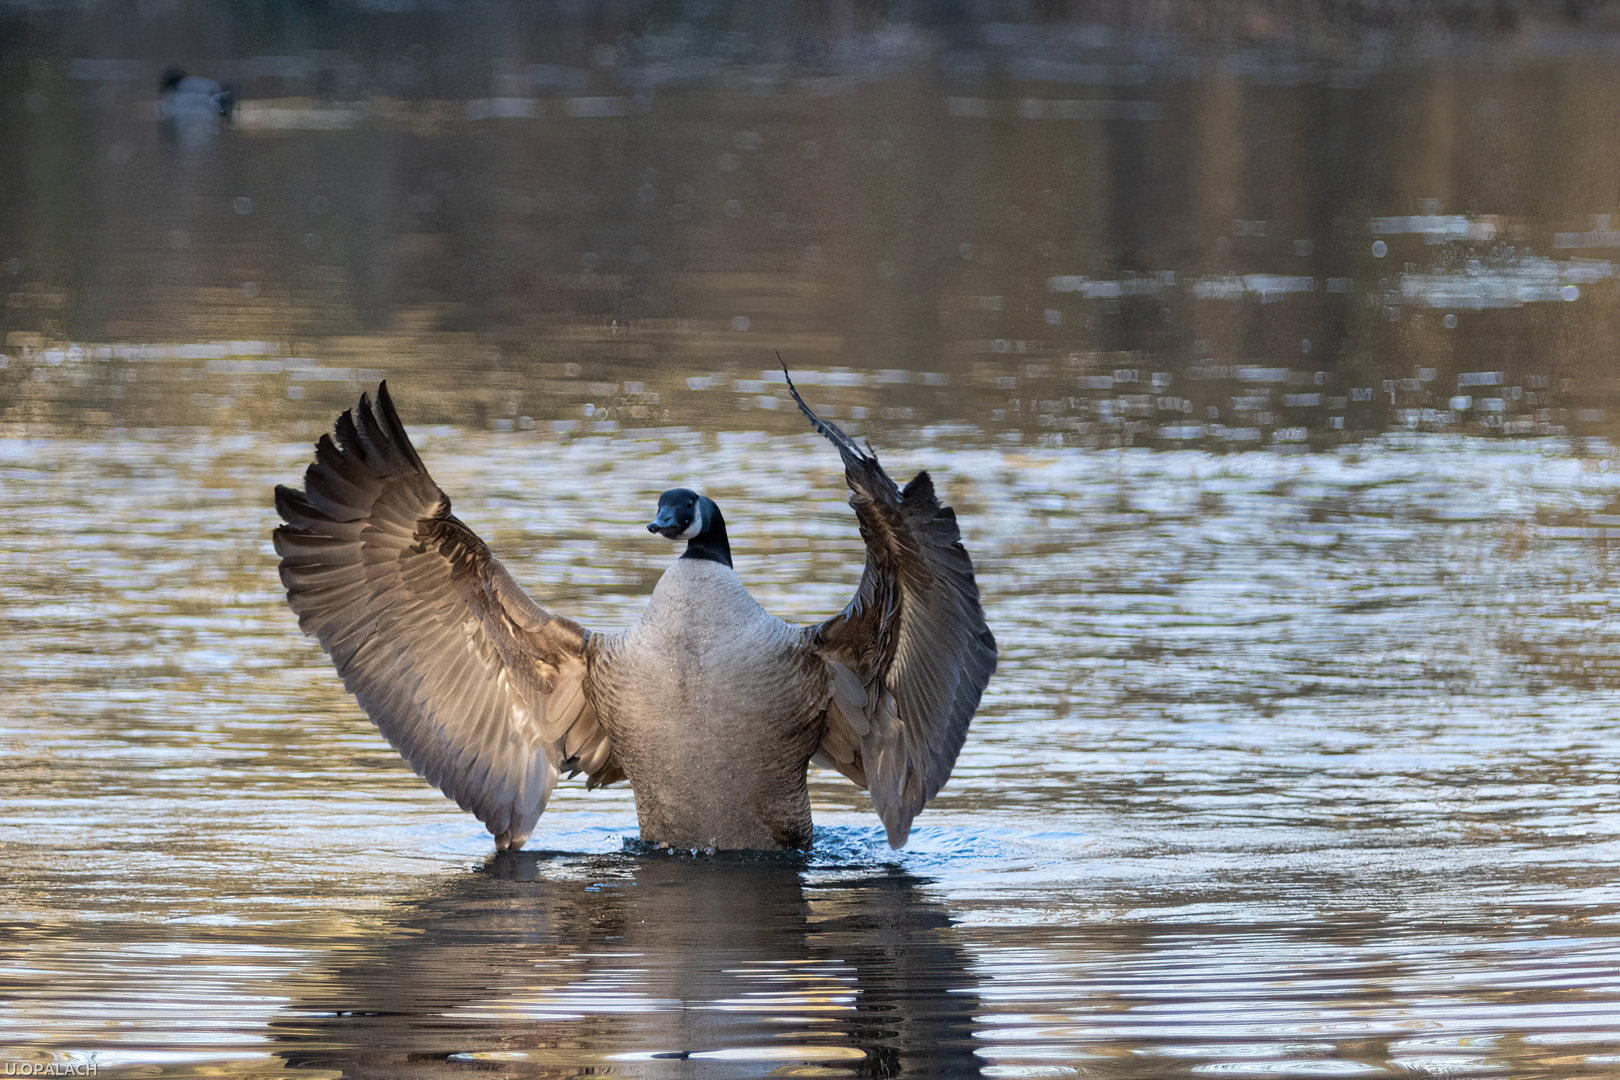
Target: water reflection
1220 230
1350 996
1298 762
652 966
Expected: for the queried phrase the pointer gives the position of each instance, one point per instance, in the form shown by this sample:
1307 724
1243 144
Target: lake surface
1267 360
1298 764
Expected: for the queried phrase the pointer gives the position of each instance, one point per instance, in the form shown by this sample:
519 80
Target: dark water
1173 225
1302 758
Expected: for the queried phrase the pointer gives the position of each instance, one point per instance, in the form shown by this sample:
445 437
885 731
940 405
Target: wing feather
910 656
457 666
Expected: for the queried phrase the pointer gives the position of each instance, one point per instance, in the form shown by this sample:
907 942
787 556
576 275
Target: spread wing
480 688
911 654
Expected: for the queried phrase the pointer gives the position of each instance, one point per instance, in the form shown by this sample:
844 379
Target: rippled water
1295 765
1266 353
1076 225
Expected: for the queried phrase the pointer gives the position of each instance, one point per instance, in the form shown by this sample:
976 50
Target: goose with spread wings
709 706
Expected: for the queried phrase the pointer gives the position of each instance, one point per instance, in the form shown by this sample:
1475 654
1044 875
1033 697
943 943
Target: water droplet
1380 249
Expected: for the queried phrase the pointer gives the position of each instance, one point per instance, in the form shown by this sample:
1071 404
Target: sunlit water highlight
1295 765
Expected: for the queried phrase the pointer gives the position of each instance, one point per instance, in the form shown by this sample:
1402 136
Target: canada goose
711 706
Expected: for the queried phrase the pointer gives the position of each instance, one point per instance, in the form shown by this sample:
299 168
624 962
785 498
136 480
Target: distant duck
190 106
709 705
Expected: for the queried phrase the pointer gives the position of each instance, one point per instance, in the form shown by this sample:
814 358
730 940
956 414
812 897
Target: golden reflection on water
1292 759
1065 233
1264 361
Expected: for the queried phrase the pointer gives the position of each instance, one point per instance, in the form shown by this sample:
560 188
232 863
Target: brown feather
913 636
470 679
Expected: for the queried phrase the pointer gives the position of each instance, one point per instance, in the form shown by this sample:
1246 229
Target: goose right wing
479 688
910 655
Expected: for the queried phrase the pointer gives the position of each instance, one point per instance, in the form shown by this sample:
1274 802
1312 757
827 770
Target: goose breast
714 708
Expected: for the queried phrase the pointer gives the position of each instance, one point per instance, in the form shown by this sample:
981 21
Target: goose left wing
910 655
481 689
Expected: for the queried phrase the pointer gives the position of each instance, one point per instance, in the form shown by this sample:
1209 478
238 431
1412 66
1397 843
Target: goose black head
683 514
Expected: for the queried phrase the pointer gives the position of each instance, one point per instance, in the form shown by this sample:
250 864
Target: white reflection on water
1504 281
1297 764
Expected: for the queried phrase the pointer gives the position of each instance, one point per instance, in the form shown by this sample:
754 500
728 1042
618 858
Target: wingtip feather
832 432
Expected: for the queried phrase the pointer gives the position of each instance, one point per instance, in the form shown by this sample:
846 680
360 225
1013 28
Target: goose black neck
711 543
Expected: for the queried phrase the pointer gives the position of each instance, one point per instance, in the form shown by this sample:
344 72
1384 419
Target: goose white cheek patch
697 524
